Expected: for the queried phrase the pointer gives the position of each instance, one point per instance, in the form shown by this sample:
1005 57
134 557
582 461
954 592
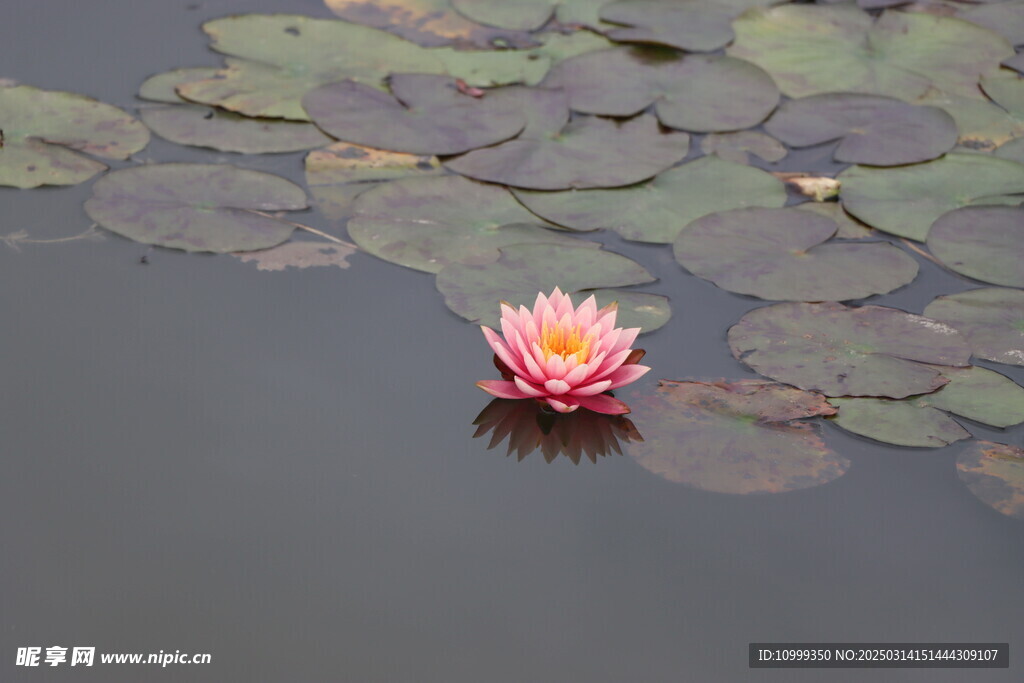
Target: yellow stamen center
564 342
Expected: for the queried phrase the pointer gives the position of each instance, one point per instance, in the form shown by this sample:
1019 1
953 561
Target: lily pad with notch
530 15
844 351
874 130
476 291
738 437
782 254
691 25
994 473
982 242
657 210
992 320
982 125
196 207
44 131
906 201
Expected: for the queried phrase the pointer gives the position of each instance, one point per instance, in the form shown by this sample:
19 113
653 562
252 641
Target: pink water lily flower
565 357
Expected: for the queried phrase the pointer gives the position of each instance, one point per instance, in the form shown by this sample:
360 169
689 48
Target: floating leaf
554 153
1007 92
657 210
881 131
163 87
736 437
476 291
849 227
337 174
906 201
982 125
693 25
781 254
737 147
1004 18
812 49
992 319
530 15
298 255
994 473
41 128
636 309
1012 150
842 351
427 115
986 243
430 23
284 56
1016 62
428 223
195 207
974 393
695 92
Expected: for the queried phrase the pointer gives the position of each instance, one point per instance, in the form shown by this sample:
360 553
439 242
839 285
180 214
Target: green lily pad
849 227
985 243
430 23
737 147
1004 18
1007 92
636 309
1012 150
429 223
427 115
476 291
781 254
875 130
281 57
842 351
337 174
583 153
195 207
974 393
298 255
992 319
906 201
734 437
163 87
657 210
813 49
982 125
42 129
530 15
994 473
698 93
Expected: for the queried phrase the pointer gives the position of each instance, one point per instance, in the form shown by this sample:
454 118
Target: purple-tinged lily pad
1004 18
875 130
691 25
843 351
530 15
196 207
737 147
974 393
1016 62
298 255
657 210
734 437
781 254
992 319
475 292
811 49
43 131
982 242
994 473
906 201
429 223
849 227
427 114
698 93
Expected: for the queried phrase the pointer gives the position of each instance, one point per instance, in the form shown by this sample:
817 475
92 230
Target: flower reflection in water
529 427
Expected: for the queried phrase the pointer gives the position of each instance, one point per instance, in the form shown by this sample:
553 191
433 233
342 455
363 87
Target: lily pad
691 25
985 243
734 437
698 93
530 15
974 393
813 49
298 255
475 292
284 56
849 227
1007 92
583 153
992 319
635 309
1012 150
906 201
781 254
737 147
43 131
195 207
842 351
429 223
982 125
657 210
430 23
163 87
1016 62
337 174
1004 18
994 473
875 130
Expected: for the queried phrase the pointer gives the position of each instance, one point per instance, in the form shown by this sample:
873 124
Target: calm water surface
278 469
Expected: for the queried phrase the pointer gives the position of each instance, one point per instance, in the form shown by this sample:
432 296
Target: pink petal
563 307
556 387
590 389
610 338
532 368
606 316
502 351
626 339
529 389
609 364
542 362
501 388
603 403
576 375
566 404
626 374
556 367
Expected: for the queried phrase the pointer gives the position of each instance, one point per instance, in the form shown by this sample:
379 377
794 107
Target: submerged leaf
982 242
298 255
994 473
992 320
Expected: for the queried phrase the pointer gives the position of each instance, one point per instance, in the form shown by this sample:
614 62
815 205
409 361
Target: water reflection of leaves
528 427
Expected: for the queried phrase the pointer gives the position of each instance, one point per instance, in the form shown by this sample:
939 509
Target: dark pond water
279 469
